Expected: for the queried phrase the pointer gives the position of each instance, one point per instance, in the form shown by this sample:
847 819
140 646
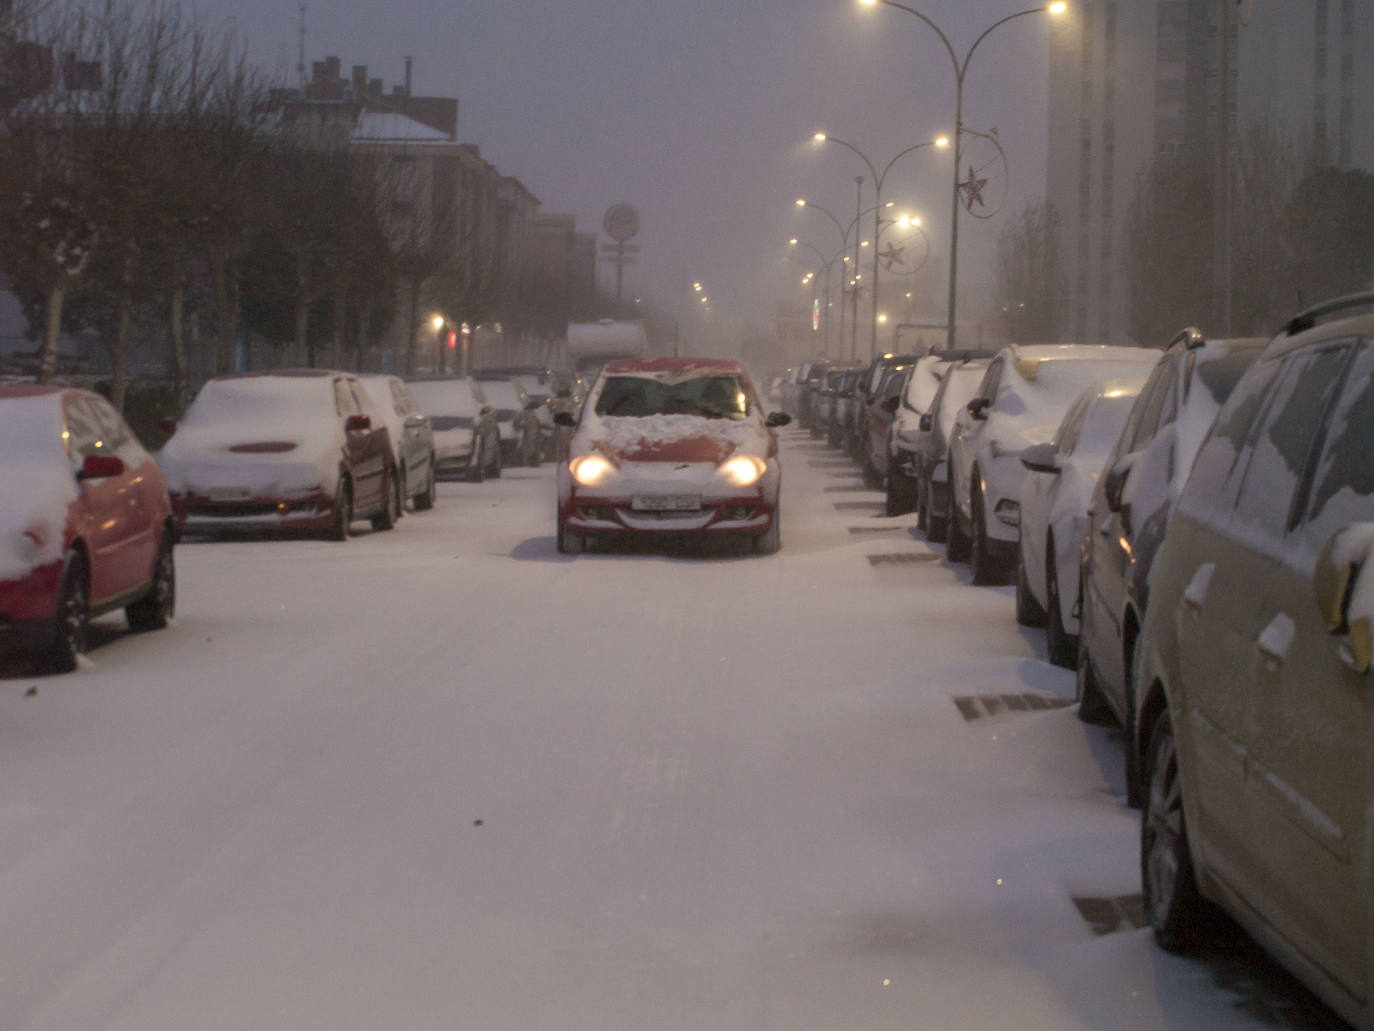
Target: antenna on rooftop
300 54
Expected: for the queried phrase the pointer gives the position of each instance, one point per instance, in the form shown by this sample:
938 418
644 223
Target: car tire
1029 611
343 512
391 504
73 616
922 509
1092 706
494 466
1173 904
1062 645
424 500
569 543
901 493
980 560
477 464
770 541
959 544
155 609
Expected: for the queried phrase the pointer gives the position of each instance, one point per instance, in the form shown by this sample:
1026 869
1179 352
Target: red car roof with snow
673 365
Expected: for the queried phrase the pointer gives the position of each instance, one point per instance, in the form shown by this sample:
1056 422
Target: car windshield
713 397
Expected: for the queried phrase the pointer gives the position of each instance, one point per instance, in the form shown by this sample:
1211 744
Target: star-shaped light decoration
973 189
892 256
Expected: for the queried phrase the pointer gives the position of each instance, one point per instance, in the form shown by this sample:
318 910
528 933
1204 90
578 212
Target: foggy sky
701 115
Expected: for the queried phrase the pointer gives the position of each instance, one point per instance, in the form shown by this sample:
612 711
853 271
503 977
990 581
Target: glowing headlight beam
743 470
591 470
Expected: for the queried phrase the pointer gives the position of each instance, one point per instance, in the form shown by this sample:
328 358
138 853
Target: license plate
666 502
230 493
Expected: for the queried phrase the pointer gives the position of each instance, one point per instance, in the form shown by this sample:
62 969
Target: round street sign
621 221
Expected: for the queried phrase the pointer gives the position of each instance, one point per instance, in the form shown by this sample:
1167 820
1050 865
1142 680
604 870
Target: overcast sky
701 116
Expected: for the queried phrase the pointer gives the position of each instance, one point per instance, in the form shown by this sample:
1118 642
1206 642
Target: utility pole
854 290
1221 249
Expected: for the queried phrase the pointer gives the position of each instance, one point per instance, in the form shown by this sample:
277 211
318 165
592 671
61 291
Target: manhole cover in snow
973 707
1116 913
902 558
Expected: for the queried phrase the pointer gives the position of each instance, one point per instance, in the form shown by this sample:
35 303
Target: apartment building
1132 81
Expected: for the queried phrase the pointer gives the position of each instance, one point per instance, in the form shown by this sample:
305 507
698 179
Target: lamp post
960 71
802 202
878 179
825 267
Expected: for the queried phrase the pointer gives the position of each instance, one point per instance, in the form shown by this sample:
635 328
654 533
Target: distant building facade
1134 81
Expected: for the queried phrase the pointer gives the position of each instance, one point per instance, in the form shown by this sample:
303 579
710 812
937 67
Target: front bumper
616 516
196 513
28 609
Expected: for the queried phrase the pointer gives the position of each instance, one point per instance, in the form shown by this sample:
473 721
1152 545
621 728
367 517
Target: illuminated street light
960 71
879 178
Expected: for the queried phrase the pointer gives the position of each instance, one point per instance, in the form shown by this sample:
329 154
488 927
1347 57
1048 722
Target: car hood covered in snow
670 438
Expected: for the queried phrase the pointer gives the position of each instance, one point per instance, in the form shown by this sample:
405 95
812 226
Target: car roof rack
1348 305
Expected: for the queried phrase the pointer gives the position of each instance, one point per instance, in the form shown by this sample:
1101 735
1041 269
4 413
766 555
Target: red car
676 446
85 523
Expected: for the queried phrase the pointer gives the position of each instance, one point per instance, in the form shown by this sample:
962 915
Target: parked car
906 434
538 384
958 386
1022 399
675 446
808 388
826 403
794 387
1130 508
466 439
845 402
85 523
1253 727
856 433
412 439
294 449
516 422
1054 506
879 412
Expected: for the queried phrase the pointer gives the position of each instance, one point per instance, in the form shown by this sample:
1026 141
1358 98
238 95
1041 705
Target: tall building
1136 80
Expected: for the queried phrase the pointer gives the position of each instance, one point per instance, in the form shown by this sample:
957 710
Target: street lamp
878 179
960 70
826 263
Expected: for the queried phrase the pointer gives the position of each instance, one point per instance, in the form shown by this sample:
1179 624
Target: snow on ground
444 778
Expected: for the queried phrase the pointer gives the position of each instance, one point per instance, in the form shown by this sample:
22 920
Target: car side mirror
776 419
1343 582
1041 458
978 407
358 423
1114 482
100 467
415 422
564 419
926 423
891 404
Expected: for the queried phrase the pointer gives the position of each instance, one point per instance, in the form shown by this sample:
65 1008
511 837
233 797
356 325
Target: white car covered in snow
675 446
1021 401
1054 503
466 439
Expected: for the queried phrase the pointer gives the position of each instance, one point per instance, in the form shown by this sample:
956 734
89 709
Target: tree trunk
364 333
413 355
224 312
303 310
52 329
124 308
336 360
178 342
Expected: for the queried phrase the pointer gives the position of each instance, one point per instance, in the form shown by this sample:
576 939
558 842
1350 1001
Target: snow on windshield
444 397
710 397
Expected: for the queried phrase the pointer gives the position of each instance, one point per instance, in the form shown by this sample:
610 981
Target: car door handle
1275 640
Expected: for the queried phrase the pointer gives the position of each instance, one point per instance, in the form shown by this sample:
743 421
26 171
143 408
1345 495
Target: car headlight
743 470
591 470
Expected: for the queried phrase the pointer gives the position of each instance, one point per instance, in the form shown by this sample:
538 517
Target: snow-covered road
444 778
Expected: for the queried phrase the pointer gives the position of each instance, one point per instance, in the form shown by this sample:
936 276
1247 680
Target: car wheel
958 548
768 542
922 509
980 561
494 466
1173 904
391 506
901 494
1029 611
155 609
73 616
569 543
343 512
1063 647
477 464
424 501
